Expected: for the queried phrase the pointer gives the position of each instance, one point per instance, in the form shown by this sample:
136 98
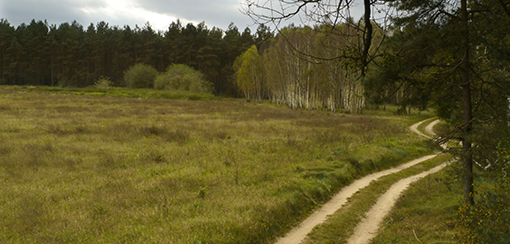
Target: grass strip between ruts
340 226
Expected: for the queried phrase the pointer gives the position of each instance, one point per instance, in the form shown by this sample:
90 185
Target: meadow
82 166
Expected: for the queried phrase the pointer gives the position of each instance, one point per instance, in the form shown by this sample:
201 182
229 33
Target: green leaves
141 76
249 74
180 77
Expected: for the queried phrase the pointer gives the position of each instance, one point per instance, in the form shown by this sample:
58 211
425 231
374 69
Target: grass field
81 166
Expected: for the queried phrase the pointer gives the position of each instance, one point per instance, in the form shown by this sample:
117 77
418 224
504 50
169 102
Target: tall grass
102 169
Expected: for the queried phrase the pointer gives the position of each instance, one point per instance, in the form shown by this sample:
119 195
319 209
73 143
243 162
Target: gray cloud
160 13
217 10
23 11
218 13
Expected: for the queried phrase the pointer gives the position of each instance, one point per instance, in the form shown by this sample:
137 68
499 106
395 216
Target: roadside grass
422 126
391 111
442 128
77 167
340 226
426 213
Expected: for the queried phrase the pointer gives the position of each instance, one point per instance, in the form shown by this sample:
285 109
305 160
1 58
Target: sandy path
368 227
429 129
298 234
414 128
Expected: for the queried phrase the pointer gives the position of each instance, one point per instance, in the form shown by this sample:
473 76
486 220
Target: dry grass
81 169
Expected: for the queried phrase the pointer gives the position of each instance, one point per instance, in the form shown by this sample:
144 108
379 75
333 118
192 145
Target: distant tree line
70 55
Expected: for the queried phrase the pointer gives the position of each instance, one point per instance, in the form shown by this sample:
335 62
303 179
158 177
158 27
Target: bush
140 76
487 220
180 77
103 83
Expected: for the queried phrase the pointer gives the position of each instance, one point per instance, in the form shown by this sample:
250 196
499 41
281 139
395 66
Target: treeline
70 55
308 67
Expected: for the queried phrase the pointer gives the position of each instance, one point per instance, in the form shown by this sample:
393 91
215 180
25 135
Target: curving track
368 227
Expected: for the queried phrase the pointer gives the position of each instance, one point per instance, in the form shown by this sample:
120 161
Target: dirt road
368 228
429 129
298 234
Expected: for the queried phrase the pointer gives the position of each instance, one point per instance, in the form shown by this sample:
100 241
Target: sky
159 13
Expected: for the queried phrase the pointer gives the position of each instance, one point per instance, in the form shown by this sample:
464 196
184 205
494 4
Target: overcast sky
159 13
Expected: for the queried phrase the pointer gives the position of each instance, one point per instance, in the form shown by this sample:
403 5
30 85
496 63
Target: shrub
180 77
140 76
487 220
103 83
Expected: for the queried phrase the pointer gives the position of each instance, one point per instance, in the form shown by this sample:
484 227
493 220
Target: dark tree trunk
367 42
467 159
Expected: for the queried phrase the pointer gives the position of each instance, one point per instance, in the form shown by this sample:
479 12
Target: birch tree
250 74
333 14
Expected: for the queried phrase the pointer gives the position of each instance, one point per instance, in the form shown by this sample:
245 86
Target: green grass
118 92
422 126
80 167
391 110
